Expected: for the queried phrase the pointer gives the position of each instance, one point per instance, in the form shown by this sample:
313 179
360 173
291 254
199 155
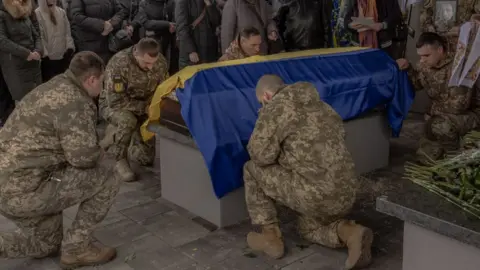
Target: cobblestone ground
152 234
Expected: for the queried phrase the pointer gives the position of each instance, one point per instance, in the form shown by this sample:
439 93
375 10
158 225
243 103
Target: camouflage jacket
465 9
303 134
233 52
453 100
53 126
129 87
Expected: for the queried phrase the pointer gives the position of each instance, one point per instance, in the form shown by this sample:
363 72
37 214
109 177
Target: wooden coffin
171 118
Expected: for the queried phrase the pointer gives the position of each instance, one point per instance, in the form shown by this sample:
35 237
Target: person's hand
30 56
107 28
273 36
207 2
36 56
376 27
172 28
402 63
129 30
194 57
356 26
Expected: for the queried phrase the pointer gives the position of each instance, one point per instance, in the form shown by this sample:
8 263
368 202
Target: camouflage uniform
233 52
299 159
50 160
124 101
451 114
465 9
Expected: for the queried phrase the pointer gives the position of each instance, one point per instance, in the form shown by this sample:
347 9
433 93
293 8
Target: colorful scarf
466 65
368 8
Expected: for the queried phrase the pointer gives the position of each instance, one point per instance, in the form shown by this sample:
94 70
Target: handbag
120 40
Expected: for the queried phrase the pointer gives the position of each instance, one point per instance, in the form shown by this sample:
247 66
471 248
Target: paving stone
174 229
179 210
30 264
163 259
318 260
130 199
120 232
294 251
243 262
142 212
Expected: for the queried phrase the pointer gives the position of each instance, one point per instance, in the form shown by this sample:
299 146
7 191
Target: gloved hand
68 54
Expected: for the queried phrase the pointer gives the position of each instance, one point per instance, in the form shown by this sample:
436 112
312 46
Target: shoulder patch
118 84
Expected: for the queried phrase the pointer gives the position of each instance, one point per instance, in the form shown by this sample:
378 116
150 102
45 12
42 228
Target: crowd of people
73 62
39 37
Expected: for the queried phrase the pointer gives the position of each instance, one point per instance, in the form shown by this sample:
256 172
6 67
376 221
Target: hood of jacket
18 8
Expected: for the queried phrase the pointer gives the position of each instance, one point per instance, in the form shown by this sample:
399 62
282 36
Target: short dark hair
432 39
85 64
148 46
248 32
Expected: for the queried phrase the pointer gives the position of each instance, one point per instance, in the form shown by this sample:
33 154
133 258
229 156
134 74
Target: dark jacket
303 24
155 16
202 39
388 11
19 36
88 18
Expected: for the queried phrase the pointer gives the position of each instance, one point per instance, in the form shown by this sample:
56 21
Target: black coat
19 35
203 39
304 24
88 18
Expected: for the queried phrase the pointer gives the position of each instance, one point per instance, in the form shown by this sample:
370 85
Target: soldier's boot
91 257
268 241
124 171
358 240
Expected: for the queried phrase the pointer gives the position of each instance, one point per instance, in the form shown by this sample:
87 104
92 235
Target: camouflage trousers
38 215
443 134
127 142
318 218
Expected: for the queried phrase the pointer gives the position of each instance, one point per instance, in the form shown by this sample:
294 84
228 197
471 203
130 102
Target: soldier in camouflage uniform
131 78
465 10
246 44
451 114
50 160
299 159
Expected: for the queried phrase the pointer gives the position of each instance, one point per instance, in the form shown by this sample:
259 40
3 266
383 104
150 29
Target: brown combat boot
91 257
124 171
268 241
358 240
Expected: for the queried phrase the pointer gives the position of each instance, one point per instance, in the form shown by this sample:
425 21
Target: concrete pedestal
427 250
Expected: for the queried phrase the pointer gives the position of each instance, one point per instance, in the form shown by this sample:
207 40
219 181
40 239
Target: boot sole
365 257
365 254
85 264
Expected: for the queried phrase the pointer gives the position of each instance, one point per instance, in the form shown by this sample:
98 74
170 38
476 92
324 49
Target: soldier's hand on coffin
402 63
194 57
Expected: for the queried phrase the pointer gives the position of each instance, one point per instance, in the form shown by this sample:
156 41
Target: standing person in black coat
6 101
156 19
93 21
20 47
197 21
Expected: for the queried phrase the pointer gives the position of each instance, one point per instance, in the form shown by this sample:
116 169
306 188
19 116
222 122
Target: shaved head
268 83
